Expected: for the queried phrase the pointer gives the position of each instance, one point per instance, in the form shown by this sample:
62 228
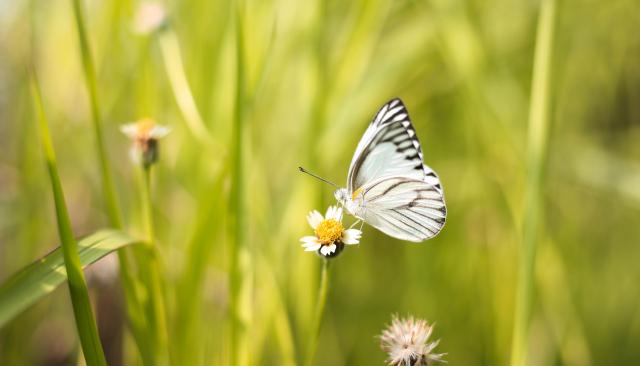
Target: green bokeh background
316 72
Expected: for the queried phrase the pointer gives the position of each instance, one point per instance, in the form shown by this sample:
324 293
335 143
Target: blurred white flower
103 272
330 236
150 17
407 343
144 134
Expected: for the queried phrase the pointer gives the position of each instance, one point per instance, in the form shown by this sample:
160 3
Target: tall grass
277 85
85 321
108 189
133 303
240 276
536 155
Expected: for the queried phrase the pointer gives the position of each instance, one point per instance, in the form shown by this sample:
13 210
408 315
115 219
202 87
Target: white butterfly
388 185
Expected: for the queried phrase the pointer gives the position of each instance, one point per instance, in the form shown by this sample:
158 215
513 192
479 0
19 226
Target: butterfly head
342 195
352 202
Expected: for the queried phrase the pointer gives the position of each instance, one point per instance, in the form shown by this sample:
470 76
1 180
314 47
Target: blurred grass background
314 74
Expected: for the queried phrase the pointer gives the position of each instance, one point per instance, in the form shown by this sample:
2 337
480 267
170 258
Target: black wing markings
393 123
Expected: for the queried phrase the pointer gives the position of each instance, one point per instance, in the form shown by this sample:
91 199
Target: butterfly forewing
389 147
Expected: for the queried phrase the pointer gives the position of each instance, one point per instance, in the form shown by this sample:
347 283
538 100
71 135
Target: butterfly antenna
316 176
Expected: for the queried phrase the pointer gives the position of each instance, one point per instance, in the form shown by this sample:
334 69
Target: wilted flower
150 17
407 343
144 134
330 236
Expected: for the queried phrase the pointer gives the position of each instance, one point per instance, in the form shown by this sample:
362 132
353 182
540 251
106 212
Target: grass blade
133 306
85 321
40 278
240 257
537 142
170 47
90 78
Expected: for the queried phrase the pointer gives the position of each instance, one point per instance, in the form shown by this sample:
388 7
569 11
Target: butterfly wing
398 194
404 208
389 147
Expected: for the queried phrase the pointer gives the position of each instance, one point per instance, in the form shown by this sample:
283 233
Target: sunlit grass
82 310
537 138
251 91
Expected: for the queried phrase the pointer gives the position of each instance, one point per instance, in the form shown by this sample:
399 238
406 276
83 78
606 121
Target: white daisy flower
407 343
144 134
150 17
330 236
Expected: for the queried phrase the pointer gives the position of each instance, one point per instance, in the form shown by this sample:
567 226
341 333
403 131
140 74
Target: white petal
332 248
339 214
309 239
134 155
311 247
334 212
329 214
324 250
130 129
314 218
351 236
311 242
159 131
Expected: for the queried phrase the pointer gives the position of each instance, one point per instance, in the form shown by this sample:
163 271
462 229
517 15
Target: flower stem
85 321
537 140
153 276
147 211
317 320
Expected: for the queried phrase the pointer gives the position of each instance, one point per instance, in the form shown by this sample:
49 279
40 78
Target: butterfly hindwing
405 208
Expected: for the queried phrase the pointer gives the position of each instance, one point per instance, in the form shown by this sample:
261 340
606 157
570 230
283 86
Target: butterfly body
388 185
352 202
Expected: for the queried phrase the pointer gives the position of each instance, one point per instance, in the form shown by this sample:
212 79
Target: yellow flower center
328 231
145 126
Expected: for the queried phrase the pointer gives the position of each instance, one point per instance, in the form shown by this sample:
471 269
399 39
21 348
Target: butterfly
388 185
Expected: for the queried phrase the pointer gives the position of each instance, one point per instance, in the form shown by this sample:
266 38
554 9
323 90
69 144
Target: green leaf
43 276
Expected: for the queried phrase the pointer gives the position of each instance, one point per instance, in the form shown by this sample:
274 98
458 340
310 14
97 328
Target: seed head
407 343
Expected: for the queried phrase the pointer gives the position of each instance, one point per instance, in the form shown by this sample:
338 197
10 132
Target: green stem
239 266
537 141
147 210
153 276
317 320
85 321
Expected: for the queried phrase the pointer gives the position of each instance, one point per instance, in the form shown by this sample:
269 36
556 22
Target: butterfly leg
356 223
